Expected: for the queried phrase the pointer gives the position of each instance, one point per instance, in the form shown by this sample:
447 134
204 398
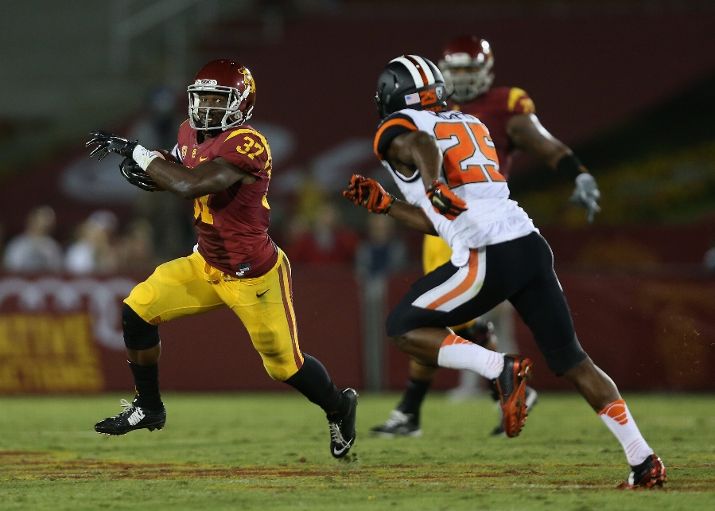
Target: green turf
270 452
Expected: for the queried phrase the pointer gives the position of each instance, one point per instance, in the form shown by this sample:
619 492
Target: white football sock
619 420
459 353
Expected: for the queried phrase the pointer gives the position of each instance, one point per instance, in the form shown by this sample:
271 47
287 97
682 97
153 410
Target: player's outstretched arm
207 178
102 144
412 216
528 134
369 194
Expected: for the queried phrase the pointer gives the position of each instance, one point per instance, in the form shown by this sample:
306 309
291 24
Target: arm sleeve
392 126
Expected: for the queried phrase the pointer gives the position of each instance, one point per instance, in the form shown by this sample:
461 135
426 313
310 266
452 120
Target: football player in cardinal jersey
224 165
467 64
446 167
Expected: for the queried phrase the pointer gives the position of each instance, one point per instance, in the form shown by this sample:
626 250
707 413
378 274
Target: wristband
570 165
144 156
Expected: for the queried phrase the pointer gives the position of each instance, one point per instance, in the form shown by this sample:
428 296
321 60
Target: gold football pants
189 285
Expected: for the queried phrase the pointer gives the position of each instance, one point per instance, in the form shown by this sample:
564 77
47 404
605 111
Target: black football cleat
511 388
342 426
647 475
130 418
398 424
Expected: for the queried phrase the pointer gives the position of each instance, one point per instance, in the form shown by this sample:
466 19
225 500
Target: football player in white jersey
445 165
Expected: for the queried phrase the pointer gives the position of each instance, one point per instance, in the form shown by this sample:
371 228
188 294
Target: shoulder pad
246 147
392 126
519 102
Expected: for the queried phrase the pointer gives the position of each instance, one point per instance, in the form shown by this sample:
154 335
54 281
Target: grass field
270 452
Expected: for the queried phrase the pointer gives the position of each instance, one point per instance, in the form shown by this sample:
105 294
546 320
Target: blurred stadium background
629 84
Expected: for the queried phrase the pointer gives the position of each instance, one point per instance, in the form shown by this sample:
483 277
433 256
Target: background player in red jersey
467 64
225 166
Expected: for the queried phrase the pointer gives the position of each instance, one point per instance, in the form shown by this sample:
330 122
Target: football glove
368 193
587 195
137 176
445 201
103 143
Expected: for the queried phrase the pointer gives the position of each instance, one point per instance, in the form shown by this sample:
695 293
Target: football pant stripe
412 69
461 287
290 314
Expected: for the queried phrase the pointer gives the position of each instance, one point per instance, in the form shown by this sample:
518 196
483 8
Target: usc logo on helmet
248 80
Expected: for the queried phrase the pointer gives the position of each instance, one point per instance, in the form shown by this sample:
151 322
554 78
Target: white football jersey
471 169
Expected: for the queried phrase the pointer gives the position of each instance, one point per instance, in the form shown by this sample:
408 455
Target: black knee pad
138 334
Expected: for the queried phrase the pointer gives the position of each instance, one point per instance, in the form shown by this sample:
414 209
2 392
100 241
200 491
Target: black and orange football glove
444 201
368 193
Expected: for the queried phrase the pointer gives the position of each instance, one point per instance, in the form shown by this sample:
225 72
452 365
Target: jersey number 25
460 165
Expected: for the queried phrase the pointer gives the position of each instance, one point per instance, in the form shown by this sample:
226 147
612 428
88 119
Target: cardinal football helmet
467 64
223 77
410 81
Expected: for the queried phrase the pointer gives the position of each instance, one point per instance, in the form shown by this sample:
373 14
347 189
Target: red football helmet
467 64
227 78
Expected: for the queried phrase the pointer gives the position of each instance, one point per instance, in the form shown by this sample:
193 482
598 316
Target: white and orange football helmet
222 77
466 64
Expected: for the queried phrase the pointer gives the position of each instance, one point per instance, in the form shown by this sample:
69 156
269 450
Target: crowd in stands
96 247
101 244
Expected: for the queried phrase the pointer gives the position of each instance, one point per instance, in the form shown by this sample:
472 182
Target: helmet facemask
467 77
467 85
231 114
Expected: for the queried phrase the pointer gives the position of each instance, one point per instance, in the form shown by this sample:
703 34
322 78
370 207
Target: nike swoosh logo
258 295
338 452
203 158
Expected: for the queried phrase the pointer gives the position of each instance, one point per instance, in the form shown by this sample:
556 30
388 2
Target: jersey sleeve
519 102
182 141
248 149
392 126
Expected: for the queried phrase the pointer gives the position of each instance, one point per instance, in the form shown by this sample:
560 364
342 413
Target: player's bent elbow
188 190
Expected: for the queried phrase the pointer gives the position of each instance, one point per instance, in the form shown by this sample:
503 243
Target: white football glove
587 195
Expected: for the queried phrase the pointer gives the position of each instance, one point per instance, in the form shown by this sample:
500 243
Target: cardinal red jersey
232 225
494 108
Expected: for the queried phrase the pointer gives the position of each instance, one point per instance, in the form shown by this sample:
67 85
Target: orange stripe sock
456 352
619 420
